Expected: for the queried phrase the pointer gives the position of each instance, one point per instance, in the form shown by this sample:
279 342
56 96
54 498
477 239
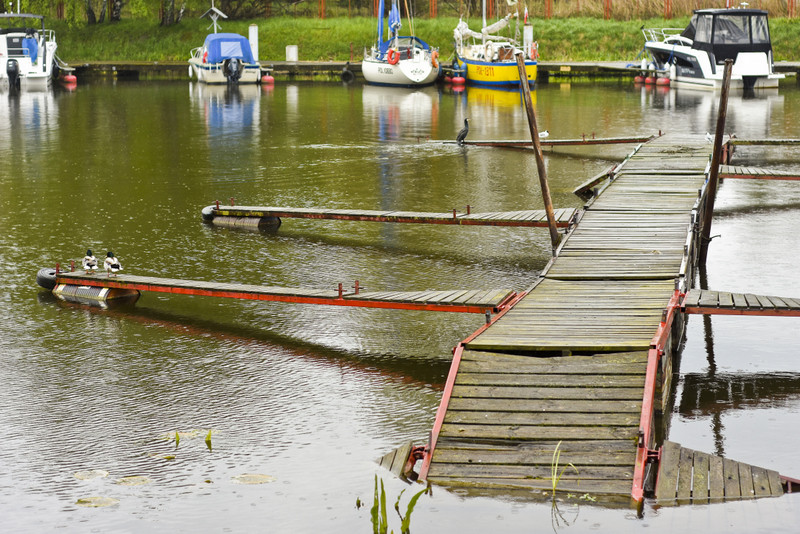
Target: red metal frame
451 380
764 312
657 348
339 300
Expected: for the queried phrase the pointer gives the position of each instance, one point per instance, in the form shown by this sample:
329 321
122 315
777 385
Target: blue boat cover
222 46
402 41
29 44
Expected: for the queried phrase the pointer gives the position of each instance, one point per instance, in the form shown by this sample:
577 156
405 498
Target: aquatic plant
555 474
208 440
378 512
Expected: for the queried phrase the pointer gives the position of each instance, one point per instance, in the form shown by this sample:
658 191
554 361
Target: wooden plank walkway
464 301
566 364
519 218
527 143
755 173
703 301
688 476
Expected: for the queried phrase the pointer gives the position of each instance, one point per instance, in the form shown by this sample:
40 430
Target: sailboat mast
483 19
380 22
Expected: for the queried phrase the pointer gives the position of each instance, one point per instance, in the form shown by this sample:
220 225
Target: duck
89 262
463 133
544 134
112 264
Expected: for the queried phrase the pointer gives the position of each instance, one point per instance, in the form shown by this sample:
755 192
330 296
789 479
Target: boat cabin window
702 28
732 29
760 29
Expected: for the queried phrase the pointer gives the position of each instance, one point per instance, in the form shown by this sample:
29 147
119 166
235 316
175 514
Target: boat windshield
728 29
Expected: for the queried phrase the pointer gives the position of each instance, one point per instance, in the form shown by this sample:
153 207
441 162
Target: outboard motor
232 68
12 70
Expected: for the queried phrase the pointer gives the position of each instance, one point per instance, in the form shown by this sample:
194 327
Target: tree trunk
90 18
168 18
102 14
116 11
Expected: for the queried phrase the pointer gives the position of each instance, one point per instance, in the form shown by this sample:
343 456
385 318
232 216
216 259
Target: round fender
46 277
393 57
348 76
435 59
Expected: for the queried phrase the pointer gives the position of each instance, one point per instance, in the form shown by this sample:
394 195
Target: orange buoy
69 78
638 79
662 81
448 79
267 78
459 80
649 80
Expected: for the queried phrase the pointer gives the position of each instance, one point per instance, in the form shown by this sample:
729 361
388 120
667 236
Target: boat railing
50 36
660 34
195 52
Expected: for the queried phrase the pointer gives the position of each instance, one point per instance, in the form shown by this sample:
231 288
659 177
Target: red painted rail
657 349
459 301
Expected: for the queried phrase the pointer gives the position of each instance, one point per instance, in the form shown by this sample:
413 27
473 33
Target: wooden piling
716 156
537 148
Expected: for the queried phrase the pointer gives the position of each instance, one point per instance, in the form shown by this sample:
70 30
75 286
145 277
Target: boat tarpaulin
222 46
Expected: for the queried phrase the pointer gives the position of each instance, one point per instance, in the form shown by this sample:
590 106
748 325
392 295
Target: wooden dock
582 363
460 301
688 476
256 215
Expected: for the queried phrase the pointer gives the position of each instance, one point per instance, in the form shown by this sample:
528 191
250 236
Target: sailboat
485 58
399 60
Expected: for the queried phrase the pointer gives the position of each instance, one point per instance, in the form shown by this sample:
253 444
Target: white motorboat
224 58
27 54
695 55
399 60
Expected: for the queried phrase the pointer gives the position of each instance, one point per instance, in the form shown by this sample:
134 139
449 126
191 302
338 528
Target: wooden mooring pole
716 156
537 148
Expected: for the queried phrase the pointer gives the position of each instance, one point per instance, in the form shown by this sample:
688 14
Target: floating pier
460 301
270 216
581 366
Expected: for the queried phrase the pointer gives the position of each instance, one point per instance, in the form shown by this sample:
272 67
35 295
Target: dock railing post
537 148
716 156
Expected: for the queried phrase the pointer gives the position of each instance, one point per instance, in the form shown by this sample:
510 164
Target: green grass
560 39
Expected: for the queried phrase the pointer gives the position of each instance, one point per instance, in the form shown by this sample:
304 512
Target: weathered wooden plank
725 299
400 458
692 298
540 472
444 455
716 479
760 481
746 480
594 487
700 469
667 483
550 405
739 301
532 392
550 380
523 432
730 470
547 418
685 461
775 485
709 299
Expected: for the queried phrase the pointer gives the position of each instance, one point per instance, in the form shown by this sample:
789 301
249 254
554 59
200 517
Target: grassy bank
566 39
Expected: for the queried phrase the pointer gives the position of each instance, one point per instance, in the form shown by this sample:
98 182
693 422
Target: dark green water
312 395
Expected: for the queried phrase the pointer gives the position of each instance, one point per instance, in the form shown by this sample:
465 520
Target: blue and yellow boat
490 60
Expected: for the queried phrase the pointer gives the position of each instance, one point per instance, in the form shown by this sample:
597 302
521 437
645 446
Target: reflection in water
28 121
230 112
705 394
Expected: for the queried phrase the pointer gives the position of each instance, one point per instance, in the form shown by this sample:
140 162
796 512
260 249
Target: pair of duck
111 263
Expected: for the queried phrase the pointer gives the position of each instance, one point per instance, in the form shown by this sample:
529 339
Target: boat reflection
28 120
230 113
400 113
748 114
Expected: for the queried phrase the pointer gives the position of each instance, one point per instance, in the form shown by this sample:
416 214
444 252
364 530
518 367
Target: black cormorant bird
463 133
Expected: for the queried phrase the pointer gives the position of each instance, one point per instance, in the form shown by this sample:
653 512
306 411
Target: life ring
434 59
393 57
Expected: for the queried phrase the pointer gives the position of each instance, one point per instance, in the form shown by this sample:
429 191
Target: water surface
313 395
